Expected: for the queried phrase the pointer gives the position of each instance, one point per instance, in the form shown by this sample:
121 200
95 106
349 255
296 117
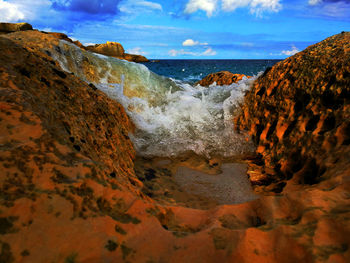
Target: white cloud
208 6
150 5
314 2
150 27
247 44
10 12
208 52
135 6
136 51
21 10
88 44
291 52
191 42
174 52
257 7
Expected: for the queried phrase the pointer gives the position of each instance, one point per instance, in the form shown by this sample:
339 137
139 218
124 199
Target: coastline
70 174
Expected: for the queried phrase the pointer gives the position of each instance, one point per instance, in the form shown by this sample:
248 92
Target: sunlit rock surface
298 113
114 49
6 28
221 78
70 193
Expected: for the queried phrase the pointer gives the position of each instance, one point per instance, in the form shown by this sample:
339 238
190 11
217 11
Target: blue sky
189 29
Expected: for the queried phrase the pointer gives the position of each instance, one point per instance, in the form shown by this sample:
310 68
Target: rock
66 38
135 58
67 177
13 27
77 42
114 49
298 110
221 78
60 36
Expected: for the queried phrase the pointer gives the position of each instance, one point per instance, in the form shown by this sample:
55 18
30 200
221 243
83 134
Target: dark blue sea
194 70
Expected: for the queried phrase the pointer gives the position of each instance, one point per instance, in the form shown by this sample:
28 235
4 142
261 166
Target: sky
189 29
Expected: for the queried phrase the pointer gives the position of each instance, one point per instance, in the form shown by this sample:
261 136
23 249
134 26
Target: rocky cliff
114 49
298 113
221 78
6 28
70 193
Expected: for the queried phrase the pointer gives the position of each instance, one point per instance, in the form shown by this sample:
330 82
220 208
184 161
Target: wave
171 116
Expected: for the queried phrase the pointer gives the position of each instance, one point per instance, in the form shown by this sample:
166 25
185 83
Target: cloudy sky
189 29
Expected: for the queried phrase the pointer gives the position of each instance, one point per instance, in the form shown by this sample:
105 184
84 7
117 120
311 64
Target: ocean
171 114
191 71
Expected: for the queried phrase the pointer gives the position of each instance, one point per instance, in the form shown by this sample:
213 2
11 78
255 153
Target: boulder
298 114
13 27
135 58
60 36
112 49
221 78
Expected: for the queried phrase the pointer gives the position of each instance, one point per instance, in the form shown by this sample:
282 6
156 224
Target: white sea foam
171 116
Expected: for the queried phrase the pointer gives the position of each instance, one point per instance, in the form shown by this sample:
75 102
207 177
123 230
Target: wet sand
194 181
231 186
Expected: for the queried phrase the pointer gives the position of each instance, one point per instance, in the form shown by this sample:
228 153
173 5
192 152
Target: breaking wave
171 116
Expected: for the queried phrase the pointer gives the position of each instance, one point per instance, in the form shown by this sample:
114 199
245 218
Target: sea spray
171 116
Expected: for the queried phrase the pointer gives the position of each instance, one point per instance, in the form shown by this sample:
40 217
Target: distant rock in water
298 113
66 38
13 27
221 78
114 49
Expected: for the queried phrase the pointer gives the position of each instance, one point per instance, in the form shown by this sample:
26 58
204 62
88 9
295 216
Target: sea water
193 70
171 113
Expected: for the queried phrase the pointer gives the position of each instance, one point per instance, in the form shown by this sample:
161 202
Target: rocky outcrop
221 78
135 58
66 38
67 178
298 114
13 27
114 49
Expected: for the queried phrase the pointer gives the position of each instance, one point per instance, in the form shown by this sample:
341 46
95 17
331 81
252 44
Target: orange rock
221 78
306 95
70 192
114 49
13 27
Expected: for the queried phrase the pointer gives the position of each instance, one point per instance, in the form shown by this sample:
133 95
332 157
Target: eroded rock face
69 192
298 113
13 27
66 38
221 78
135 58
114 49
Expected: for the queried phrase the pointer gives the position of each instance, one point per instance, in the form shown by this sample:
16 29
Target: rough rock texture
298 113
69 192
135 58
221 78
114 49
13 27
66 38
